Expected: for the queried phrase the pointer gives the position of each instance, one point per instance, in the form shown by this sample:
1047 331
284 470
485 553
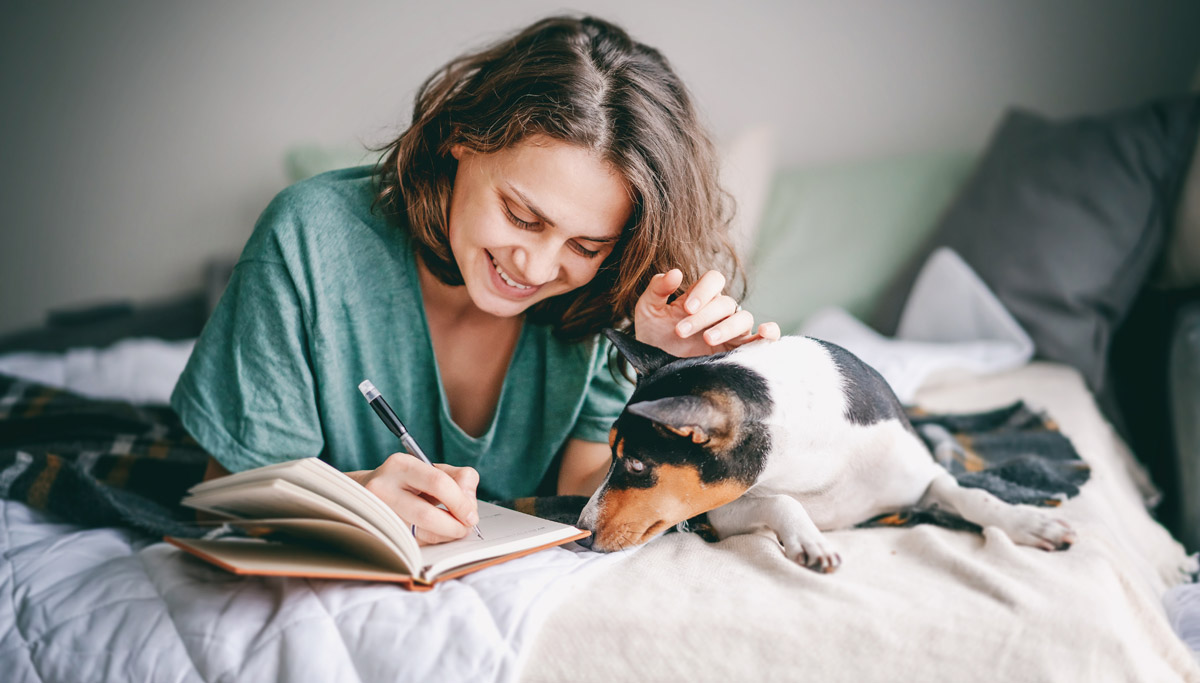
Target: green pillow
837 235
306 161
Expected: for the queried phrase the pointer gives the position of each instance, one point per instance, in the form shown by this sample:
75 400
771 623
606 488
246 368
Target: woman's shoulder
329 195
333 213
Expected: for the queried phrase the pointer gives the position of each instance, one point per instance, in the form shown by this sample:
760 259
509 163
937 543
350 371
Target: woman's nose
538 261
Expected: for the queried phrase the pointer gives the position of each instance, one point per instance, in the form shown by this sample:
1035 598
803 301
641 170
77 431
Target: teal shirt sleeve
247 394
605 397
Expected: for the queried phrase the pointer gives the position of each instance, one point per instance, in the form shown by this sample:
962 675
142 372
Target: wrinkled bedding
923 603
908 603
108 605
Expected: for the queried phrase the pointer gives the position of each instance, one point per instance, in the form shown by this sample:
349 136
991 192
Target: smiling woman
549 186
533 221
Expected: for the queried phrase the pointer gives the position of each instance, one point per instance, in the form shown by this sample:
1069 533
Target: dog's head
691 439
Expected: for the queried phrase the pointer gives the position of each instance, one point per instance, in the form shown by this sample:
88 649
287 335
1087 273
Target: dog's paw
1030 526
813 553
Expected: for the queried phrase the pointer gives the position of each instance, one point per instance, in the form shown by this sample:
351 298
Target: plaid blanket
108 463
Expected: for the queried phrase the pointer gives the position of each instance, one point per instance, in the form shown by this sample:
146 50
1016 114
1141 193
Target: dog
797 436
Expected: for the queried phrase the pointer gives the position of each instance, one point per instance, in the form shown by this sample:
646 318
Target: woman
549 186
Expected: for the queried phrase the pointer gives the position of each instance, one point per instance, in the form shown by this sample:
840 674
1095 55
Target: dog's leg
802 541
1024 524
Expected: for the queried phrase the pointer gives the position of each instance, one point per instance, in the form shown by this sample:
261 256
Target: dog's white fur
824 472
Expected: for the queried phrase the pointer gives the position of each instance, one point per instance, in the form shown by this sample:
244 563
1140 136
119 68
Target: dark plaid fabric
97 463
108 463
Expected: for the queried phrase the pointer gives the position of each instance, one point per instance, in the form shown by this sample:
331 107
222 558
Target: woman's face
533 221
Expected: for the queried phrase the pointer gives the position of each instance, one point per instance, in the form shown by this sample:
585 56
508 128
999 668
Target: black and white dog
797 436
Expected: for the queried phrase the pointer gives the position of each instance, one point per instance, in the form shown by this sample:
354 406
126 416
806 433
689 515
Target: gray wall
140 138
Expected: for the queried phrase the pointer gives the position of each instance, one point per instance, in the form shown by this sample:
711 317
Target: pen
393 423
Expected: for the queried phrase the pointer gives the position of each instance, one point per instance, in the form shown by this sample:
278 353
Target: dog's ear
691 417
644 358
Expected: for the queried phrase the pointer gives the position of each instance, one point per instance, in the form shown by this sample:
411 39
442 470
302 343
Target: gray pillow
1064 221
1183 379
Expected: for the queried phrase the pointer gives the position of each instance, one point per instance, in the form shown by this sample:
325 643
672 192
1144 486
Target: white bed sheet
105 605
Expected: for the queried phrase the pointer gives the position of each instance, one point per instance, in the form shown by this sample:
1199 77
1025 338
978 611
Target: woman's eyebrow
533 209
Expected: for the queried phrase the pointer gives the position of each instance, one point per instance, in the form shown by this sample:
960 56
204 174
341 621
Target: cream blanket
916 604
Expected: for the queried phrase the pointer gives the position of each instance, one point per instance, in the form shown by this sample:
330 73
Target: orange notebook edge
406 582
484 564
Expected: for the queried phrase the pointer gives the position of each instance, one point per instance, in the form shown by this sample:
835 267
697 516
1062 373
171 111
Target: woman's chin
494 303
493 295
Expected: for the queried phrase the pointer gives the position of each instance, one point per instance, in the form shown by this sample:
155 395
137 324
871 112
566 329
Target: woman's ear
457 151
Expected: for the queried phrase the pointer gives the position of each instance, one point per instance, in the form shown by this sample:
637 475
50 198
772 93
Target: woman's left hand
699 322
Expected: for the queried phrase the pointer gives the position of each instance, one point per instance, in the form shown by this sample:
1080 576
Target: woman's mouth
506 284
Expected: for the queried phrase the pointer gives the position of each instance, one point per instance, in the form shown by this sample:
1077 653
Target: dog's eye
634 466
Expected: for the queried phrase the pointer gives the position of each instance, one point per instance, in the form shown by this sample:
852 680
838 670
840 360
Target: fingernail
712 337
691 305
472 519
684 328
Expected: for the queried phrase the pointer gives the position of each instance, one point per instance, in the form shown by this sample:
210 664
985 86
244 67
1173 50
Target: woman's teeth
504 276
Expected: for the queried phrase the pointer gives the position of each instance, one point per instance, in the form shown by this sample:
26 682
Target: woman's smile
506 284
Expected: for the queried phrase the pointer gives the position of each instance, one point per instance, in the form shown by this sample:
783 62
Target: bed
918 603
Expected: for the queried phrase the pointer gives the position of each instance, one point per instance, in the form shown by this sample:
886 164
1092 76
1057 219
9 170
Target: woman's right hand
414 490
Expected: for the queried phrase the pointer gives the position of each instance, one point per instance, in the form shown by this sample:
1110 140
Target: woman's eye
524 225
528 225
584 251
634 466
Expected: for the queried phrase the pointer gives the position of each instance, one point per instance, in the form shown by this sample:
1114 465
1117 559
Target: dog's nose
586 542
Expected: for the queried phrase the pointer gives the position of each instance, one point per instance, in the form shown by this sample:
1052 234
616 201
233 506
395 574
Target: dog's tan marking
713 428
526 505
970 460
734 412
709 419
693 432
612 437
631 516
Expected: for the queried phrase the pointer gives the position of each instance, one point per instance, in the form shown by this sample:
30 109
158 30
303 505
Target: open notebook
332 527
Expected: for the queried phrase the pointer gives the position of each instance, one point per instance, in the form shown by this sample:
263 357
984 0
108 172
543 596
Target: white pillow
951 324
135 370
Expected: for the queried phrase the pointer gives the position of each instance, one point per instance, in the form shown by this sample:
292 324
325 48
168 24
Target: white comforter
917 604
103 605
107 605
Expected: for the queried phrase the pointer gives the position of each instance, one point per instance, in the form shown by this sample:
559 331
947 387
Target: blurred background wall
140 138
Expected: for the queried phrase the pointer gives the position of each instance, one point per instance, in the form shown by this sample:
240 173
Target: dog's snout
586 541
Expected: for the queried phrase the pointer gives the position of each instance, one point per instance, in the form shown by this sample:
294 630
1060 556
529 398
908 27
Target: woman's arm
584 466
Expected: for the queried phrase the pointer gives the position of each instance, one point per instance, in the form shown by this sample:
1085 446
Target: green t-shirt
326 295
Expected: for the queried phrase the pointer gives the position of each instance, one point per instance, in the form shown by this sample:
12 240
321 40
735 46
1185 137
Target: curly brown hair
585 82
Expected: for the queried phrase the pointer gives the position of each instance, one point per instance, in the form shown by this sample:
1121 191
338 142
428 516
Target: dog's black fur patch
869 398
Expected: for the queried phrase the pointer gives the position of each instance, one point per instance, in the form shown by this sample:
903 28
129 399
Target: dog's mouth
608 538
620 517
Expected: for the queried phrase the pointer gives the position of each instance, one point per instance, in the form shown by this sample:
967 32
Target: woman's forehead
567 186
